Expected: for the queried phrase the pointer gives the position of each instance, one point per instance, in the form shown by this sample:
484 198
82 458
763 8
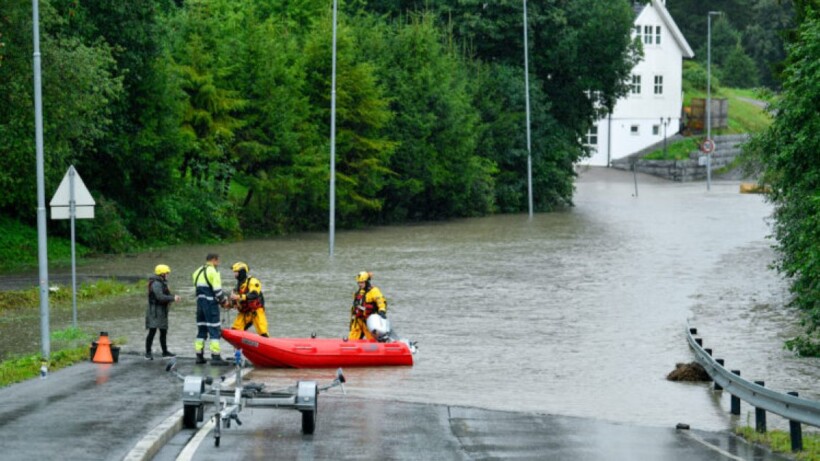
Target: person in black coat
156 316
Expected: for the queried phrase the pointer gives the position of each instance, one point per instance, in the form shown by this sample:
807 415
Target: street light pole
709 95
332 224
42 250
527 92
665 123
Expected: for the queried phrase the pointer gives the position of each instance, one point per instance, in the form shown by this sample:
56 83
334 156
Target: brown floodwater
579 313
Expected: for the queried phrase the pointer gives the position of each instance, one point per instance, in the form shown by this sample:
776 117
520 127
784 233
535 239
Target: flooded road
577 313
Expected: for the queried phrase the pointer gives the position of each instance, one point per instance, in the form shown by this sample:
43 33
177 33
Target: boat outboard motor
379 327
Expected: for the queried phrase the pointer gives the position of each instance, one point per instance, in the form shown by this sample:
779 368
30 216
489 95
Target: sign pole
72 201
72 205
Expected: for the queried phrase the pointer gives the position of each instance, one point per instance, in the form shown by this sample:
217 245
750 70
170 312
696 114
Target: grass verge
68 346
780 442
71 347
61 295
678 150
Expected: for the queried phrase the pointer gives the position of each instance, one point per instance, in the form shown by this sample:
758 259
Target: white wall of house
653 109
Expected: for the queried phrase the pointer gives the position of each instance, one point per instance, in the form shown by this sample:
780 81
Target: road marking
187 453
192 446
711 446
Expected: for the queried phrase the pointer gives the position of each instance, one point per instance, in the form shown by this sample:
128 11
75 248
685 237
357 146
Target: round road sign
708 146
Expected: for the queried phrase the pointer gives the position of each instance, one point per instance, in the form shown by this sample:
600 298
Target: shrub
107 232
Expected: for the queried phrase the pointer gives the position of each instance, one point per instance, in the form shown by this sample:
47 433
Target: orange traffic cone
103 354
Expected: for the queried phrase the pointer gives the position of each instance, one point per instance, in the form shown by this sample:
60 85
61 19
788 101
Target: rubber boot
216 360
200 358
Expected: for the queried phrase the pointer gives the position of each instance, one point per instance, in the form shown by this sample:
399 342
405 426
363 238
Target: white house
653 108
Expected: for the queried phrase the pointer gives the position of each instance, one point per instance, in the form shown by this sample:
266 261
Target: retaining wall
727 149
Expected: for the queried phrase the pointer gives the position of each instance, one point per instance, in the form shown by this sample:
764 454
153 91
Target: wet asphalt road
132 410
356 429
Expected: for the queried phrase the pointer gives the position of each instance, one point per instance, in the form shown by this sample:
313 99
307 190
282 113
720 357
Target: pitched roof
686 50
673 28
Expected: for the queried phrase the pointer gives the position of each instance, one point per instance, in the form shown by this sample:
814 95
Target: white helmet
378 325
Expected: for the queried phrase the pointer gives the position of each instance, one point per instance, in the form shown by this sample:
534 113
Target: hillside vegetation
748 112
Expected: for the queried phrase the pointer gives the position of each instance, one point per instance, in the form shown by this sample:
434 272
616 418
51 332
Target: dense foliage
747 39
788 152
202 120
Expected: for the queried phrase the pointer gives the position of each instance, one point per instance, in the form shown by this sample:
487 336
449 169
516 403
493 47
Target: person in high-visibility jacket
367 300
209 296
249 301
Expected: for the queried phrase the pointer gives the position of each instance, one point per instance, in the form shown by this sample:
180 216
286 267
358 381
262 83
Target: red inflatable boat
317 352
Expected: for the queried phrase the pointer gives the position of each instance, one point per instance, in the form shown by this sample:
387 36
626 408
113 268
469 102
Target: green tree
211 105
271 75
576 46
362 113
763 38
739 70
438 173
79 86
141 148
788 153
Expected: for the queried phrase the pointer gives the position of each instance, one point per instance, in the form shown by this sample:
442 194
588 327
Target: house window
656 130
647 35
659 84
634 130
636 84
638 33
657 35
592 136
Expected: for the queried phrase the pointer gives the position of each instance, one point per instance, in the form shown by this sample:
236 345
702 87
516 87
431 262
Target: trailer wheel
189 416
308 421
309 416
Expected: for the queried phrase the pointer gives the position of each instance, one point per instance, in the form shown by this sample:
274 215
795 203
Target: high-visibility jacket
208 284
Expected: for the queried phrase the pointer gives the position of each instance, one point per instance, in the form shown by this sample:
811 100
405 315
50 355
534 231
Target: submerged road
132 410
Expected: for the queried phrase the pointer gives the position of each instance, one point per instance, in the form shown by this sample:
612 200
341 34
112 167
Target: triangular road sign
82 197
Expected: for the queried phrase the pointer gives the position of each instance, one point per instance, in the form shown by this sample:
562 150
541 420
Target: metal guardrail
789 406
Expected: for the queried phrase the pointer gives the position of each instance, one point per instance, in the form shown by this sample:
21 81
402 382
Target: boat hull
317 352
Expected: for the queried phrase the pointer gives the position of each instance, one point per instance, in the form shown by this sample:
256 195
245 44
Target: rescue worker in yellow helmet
156 316
249 301
209 296
367 300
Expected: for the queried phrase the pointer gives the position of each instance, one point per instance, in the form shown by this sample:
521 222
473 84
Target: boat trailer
198 390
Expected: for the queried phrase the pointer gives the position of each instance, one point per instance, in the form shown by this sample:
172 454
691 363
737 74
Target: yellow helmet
363 276
162 269
238 266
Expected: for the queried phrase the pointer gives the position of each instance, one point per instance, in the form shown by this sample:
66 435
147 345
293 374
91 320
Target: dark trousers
149 340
